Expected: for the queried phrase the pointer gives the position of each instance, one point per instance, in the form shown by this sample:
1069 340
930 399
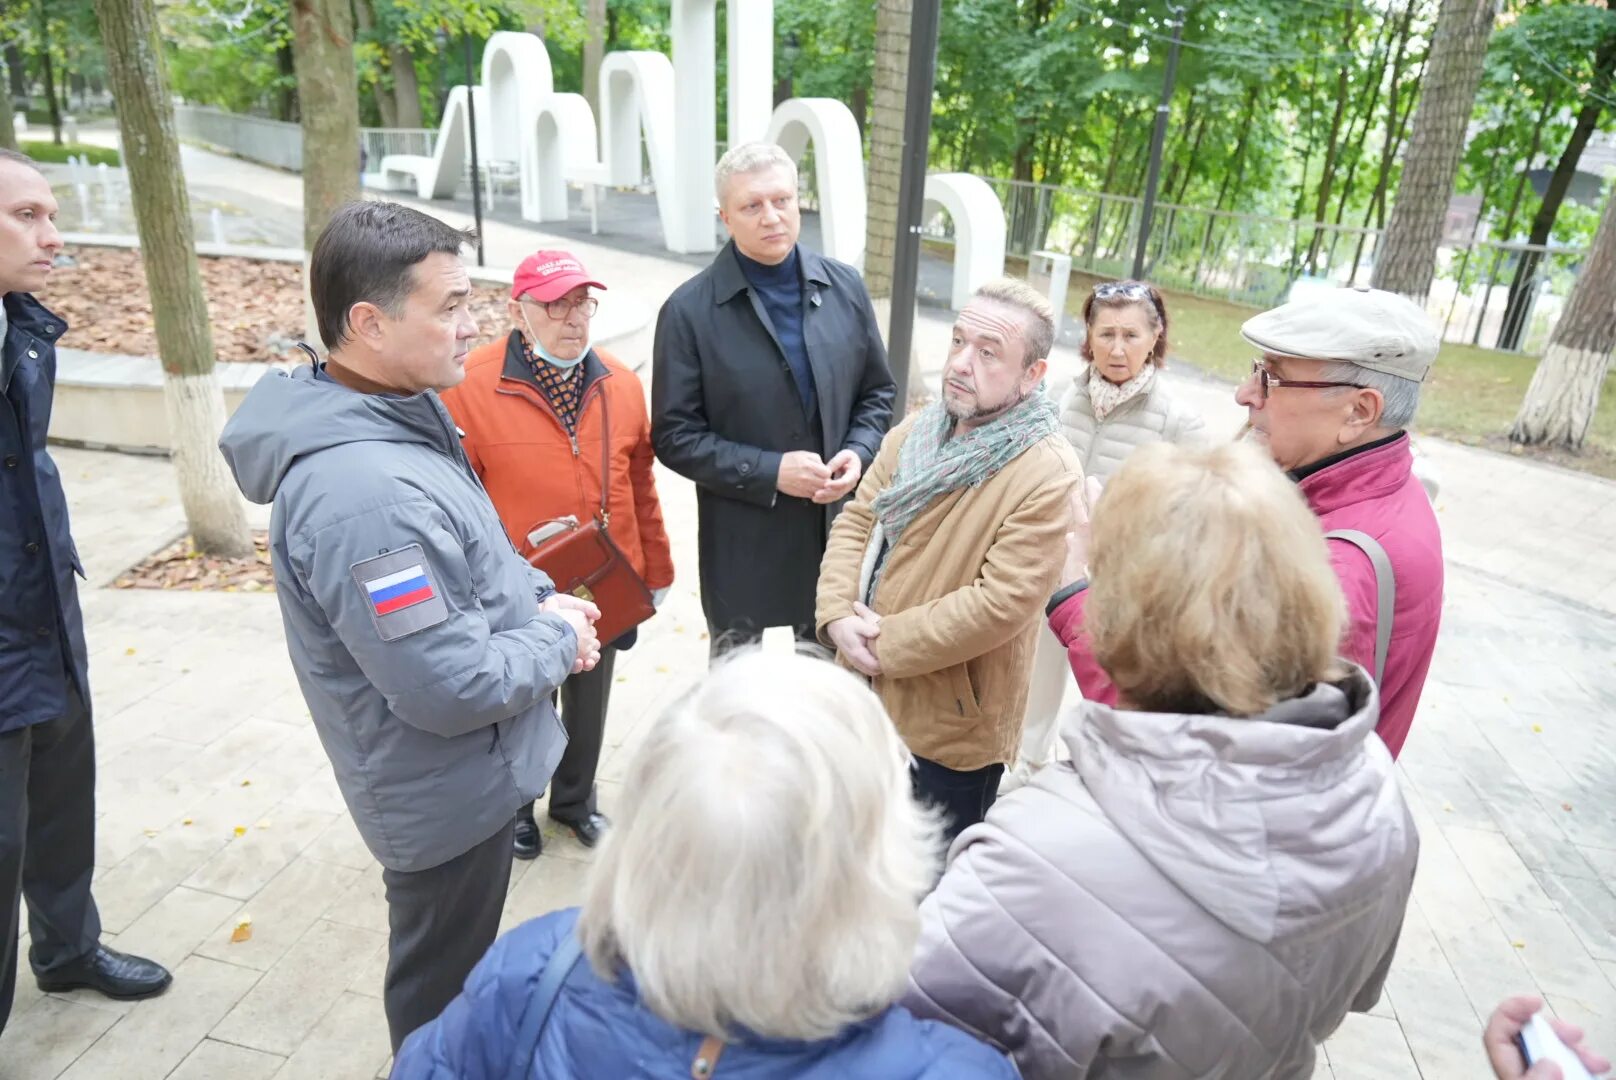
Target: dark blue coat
602 1031
41 627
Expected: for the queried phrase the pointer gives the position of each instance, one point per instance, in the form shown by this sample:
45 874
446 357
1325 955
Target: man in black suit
770 390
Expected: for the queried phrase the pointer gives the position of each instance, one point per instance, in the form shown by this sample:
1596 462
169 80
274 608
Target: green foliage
229 56
50 152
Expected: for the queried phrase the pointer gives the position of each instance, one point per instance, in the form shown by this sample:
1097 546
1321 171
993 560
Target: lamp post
471 127
1158 139
912 190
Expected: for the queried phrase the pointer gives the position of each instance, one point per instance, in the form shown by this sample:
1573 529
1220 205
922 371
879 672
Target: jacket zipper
537 398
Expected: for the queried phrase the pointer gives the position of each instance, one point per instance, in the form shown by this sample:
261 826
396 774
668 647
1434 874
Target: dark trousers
583 700
47 843
963 797
441 921
723 640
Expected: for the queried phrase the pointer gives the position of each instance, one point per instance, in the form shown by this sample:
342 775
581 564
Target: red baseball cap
550 275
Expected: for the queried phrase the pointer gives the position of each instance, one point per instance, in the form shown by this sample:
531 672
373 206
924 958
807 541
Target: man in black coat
47 748
769 389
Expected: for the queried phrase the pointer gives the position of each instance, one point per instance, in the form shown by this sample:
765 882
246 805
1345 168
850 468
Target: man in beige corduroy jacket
935 576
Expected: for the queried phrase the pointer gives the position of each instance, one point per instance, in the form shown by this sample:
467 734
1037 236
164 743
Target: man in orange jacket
538 408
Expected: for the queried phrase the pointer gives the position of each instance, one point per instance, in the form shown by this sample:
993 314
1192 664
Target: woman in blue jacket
752 914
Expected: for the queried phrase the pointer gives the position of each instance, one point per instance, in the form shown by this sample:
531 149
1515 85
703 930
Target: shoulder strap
1385 589
562 961
605 459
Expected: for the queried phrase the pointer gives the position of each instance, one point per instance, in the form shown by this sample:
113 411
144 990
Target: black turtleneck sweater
779 287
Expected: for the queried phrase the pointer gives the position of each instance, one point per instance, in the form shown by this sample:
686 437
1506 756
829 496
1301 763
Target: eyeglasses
560 309
1130 290
1268 380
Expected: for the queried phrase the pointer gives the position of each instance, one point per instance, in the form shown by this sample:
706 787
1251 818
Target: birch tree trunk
1564 391
194 402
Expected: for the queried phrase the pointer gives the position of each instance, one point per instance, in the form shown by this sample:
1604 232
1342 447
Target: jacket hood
286 417
1233 810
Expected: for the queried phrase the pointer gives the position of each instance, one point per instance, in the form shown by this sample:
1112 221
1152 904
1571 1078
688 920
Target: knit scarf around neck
1105 397
931 464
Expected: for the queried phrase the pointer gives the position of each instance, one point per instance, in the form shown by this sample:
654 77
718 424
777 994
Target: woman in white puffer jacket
1115 404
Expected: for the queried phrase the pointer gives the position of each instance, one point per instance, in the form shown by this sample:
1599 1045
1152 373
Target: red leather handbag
583 560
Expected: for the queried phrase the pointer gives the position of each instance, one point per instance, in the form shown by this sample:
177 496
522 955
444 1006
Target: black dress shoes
109 972
528 842
588 829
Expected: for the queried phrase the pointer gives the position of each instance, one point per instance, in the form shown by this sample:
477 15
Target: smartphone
1538 1042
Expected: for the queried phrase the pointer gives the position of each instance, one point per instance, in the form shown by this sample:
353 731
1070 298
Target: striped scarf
931 464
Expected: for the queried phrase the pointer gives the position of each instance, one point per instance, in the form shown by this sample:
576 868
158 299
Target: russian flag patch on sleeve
398 587
395 592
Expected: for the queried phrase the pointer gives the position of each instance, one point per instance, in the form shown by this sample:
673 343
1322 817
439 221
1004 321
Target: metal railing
280 143
1257 259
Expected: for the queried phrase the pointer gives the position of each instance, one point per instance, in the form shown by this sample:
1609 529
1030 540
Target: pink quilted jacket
1373 492
1189 896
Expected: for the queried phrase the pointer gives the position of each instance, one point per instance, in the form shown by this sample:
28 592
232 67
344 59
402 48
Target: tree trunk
1564 391
1332 149
194 402
1407 257
323 31
8 126
386 103
285 100
49 71
17 80
406 88
1509 217
594 51
1521 286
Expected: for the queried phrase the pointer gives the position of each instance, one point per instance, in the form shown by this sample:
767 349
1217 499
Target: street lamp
471 124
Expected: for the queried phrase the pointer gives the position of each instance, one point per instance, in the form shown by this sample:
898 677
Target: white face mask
545 354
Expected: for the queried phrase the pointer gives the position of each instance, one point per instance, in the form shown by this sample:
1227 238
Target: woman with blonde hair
1115 404
1220 872
752 913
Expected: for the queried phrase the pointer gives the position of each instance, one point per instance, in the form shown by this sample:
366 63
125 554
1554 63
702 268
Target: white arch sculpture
516 79
979 230
751 75
637 98
436 177
838 168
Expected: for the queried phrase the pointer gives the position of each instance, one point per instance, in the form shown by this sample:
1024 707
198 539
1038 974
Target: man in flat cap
1332 396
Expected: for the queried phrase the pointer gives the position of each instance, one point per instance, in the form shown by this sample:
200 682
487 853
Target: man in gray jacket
427 650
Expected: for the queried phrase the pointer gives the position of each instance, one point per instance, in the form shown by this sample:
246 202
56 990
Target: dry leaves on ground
255 307
181 567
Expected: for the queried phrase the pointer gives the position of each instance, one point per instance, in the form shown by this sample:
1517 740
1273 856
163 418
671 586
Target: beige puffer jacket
1190 896
1103 445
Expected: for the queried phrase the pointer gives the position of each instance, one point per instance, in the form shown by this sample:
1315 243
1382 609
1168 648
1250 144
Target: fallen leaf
265 824
662 669
1519 944
149 832
1538 728
246 783
1447 807
241 830
243 930
1566 807
129 652
188 821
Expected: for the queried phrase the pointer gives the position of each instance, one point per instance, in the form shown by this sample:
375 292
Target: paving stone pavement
216 802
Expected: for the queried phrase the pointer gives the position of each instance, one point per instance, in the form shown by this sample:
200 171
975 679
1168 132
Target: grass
1471 396
49 151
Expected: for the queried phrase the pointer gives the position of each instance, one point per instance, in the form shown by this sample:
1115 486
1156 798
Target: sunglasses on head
1129 290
